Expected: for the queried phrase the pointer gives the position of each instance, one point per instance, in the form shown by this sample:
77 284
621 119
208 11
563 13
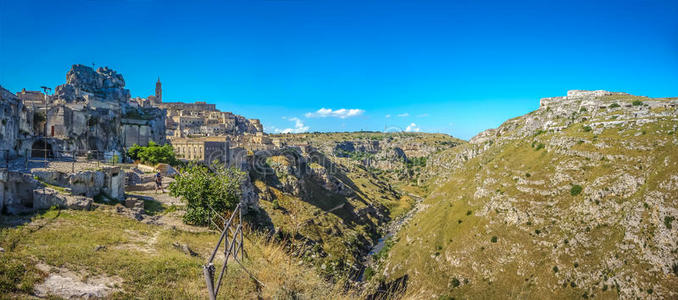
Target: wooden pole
208 270
242 249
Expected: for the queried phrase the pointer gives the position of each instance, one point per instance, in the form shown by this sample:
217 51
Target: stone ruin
92 111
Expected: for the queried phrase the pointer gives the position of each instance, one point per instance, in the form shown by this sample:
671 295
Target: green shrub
539 146
555 269
276 204
615 105
494 239
637 103
587 128
668 220
583 109
575 190
455 282
202 188
153 154
416 162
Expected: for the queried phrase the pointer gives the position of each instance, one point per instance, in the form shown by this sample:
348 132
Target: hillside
322 205
57 253
329 196
576 199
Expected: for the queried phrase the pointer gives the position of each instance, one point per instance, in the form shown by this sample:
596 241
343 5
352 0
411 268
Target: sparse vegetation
576 189
668 220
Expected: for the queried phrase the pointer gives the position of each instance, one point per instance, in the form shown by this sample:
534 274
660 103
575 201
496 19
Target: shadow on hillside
390 290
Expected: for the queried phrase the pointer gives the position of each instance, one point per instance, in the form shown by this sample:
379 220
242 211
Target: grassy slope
549 243
144 257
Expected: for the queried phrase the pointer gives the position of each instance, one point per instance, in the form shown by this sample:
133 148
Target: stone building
31 98
201 149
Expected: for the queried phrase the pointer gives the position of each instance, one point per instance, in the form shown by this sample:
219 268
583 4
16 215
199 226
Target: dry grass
103 243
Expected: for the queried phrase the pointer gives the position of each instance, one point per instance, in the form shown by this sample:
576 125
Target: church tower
158 91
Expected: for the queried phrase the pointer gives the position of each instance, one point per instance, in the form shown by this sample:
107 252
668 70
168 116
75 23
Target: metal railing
233 229
43 158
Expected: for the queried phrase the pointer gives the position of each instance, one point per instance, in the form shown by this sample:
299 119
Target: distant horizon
301 66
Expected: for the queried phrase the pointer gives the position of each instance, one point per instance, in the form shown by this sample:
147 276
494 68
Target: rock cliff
92 111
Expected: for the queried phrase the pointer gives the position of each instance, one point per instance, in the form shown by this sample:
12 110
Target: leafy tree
202 188
153 154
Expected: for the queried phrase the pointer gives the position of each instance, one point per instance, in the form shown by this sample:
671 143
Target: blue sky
457 67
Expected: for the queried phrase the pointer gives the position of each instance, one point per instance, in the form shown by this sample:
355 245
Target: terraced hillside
576 199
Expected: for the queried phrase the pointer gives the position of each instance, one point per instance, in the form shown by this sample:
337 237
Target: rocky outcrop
45 198
92 110
84 83
108 181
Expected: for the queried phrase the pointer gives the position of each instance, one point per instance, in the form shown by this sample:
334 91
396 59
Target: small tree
202 188
153 154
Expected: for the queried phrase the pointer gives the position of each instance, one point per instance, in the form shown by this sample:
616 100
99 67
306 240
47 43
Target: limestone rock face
14 123
390 159
107 180
249 196
93 111
82 80
46 197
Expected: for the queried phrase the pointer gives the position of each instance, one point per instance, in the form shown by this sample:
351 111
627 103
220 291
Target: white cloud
412 128
299 127
404 115
388 116
341 113
422 115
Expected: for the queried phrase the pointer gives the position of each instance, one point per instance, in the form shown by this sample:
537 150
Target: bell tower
158 91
